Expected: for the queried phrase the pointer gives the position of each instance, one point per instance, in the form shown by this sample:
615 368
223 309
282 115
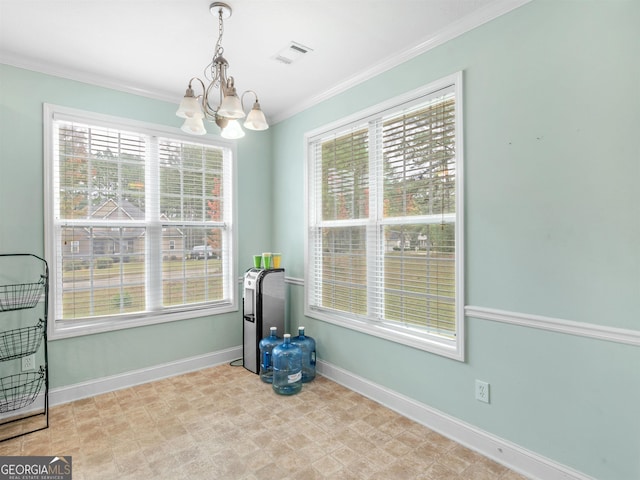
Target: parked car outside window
200 252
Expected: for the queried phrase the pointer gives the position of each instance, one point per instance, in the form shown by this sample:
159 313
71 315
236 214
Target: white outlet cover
28 363
482 391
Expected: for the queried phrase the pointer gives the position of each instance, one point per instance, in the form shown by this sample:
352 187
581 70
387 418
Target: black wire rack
19 390
21 342
20 296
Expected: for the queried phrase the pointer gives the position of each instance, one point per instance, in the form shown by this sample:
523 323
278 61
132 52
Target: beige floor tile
224 423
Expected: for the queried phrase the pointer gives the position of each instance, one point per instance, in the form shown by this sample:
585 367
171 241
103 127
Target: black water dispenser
262 308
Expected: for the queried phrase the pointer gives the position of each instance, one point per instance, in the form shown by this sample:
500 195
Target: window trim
454 349
58 329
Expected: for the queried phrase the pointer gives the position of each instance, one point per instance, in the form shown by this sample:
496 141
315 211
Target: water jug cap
287 335
273 329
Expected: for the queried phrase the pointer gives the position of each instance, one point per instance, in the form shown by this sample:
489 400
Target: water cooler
262 308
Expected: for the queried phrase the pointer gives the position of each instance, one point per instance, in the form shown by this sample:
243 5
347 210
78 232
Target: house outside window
133 199
385 222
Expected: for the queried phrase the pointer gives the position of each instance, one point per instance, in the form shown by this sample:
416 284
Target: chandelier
219 101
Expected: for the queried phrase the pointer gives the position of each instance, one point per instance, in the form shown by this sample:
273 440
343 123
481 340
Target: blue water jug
266 346
308 346
287 367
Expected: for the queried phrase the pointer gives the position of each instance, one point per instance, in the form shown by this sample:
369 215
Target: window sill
77 328
453 349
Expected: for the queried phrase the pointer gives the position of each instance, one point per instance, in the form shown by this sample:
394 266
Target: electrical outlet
28 363
482 391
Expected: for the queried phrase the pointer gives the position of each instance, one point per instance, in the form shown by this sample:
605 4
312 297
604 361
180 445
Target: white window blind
140 222
383 221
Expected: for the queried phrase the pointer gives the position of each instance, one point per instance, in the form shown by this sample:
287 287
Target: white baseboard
99 386
519 459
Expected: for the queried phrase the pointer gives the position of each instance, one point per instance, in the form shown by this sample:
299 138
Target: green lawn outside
419 290
410 293
98 292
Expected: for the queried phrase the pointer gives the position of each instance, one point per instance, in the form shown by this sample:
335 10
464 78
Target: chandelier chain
219 48
210 72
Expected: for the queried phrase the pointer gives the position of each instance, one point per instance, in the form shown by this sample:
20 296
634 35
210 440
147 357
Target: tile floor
224 423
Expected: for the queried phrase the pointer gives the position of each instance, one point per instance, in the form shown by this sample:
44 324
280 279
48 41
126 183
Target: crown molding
456 29
476 19
84 77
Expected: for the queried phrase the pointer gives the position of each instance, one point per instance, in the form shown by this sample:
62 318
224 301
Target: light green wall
74 360
551 118
552 157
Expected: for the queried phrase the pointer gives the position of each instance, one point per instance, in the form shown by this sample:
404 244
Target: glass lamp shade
232 131
256 119
231 107
194 126
189 107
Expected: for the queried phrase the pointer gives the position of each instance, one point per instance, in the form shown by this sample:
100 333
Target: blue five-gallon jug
266 346
308 346
287 367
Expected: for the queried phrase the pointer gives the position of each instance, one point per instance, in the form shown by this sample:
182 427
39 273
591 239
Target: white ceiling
154 47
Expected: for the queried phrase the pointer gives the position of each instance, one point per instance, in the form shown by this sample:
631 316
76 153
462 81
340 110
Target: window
126 203
384 221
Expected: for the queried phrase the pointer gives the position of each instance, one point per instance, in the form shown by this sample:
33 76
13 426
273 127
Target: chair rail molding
558 325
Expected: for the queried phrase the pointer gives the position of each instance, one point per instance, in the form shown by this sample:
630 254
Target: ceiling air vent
292 53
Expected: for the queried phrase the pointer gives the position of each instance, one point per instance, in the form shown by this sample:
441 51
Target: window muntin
384 240
127 206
